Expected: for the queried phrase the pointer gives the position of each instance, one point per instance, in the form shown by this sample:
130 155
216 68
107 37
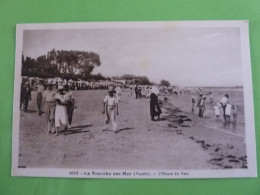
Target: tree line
62 63
73 65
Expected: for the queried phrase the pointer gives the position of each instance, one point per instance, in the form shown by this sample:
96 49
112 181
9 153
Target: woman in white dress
61 116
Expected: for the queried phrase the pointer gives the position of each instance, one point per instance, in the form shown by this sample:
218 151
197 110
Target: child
234 113
110 110
228 110
217 111
223 102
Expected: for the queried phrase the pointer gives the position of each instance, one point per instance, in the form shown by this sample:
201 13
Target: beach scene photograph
167 98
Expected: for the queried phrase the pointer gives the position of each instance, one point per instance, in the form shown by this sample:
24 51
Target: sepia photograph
133 100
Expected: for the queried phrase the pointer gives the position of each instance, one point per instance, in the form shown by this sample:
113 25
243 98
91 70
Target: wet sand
178 141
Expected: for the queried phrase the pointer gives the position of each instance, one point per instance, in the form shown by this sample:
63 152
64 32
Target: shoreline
224 155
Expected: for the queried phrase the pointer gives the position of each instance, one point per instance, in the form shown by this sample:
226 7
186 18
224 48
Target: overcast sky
184 56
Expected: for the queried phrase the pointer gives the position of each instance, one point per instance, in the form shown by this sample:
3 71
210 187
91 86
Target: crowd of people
58 103
228 109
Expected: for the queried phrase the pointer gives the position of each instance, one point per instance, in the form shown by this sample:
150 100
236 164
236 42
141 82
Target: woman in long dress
61 116
155 109
201 105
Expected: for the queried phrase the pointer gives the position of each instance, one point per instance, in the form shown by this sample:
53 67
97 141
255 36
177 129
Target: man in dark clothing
136 91
22 95
27 96
140 92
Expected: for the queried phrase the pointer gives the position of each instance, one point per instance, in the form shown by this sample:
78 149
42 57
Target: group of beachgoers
229 110
58 104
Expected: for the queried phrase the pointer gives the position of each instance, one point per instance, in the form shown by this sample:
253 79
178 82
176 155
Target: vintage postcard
133 100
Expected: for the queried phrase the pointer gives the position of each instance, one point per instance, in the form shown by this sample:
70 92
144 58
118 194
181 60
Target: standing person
40 90
234 113
22 95
228 113
211 100
139 92
201 105
48 105
118 93
155 109
136 91
27 95
110 110
192 103
70 105
61 116
223 102
217 112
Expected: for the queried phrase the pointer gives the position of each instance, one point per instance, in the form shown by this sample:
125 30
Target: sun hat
111 89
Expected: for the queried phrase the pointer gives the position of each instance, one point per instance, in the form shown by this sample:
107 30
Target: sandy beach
180 140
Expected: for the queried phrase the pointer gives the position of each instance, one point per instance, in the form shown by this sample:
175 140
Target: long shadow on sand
81 126
124 129
69 132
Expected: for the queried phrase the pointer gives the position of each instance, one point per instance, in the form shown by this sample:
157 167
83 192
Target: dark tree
61 63
165 83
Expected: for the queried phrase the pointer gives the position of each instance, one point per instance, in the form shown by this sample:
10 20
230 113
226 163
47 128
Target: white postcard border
181 174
